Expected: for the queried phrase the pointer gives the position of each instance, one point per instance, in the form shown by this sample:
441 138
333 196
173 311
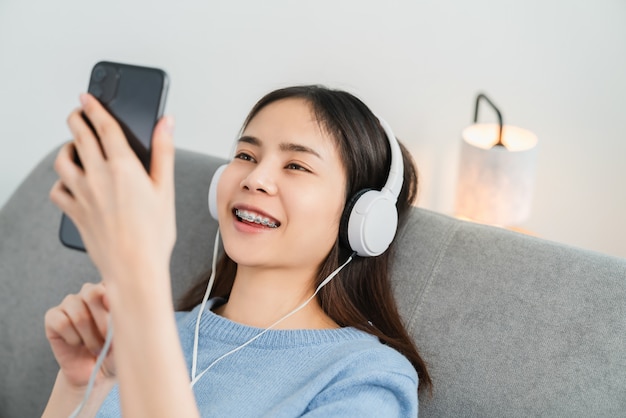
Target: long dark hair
361 295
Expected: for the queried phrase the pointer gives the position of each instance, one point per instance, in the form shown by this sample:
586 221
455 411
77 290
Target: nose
260 179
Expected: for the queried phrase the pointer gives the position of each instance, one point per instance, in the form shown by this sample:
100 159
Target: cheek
321 213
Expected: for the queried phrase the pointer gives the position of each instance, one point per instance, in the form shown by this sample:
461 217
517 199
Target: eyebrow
283 146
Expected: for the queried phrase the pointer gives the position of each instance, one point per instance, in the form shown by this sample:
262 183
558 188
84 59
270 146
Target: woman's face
280 199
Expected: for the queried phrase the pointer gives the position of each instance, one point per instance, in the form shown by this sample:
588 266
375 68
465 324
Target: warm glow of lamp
496 172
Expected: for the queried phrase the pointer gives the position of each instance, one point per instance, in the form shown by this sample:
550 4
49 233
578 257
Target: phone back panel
135 96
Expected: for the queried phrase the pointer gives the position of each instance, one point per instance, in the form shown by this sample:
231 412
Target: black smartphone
135 96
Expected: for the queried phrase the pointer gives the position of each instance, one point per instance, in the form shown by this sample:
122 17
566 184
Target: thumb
162 163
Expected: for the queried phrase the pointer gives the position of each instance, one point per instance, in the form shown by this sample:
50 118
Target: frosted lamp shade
496 183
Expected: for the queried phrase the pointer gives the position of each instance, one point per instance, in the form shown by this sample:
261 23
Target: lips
255 217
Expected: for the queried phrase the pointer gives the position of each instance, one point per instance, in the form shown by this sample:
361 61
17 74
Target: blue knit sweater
291 373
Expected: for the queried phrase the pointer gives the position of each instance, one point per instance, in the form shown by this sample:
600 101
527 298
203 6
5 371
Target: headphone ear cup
212 198
371 223
344 240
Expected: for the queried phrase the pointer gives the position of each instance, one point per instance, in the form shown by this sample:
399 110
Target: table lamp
496 171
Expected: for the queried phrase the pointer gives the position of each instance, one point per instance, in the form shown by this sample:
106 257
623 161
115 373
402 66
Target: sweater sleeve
371 390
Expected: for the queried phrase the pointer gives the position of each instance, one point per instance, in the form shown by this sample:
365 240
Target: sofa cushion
510 324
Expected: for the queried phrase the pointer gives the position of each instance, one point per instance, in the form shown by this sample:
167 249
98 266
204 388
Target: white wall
555 67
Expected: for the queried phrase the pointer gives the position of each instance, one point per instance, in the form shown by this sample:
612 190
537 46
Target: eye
244 156
297 167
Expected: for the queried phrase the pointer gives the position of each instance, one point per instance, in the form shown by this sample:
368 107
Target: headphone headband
395 179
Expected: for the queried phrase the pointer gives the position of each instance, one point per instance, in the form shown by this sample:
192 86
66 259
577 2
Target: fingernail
168 124
83 99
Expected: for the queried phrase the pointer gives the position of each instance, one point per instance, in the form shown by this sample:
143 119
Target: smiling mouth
255 218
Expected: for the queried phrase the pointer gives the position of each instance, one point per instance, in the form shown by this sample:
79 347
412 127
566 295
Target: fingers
69 173
80 320
112 139
85 141
70 177
59 325
94 295
162 164
62 197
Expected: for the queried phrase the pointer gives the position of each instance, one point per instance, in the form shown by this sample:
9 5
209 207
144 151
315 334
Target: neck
260 297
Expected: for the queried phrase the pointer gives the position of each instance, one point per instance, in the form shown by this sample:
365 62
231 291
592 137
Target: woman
304 152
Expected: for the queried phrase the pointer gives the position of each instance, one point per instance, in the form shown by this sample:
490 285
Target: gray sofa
511 325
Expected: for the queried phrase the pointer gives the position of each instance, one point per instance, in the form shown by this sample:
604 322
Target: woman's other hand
76 330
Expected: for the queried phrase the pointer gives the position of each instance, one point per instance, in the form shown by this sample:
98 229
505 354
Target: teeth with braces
257 219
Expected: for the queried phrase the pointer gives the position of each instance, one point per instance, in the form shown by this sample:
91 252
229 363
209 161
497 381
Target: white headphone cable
194 380
194 358
96 368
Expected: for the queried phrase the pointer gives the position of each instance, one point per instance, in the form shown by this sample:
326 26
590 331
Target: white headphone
370 218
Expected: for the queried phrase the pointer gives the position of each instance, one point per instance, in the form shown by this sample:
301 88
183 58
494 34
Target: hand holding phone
135 96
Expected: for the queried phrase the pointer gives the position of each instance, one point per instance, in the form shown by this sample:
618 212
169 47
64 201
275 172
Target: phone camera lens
99 73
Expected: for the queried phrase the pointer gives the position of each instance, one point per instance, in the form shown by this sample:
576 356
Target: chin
245 254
